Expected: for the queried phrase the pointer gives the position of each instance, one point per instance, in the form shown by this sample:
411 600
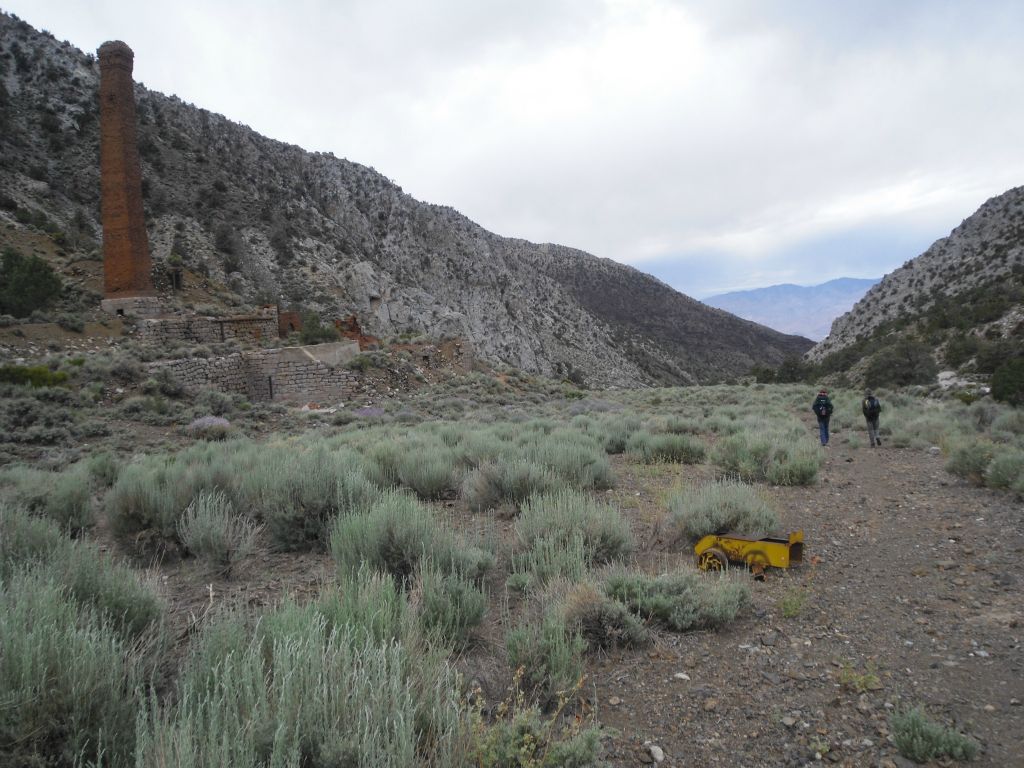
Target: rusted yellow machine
778 550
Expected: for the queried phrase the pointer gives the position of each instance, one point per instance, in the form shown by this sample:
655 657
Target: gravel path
909 595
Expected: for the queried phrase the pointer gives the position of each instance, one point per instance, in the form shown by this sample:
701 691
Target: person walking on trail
822 408
871 408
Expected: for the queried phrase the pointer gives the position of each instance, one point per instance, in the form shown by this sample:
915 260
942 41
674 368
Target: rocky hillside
963 297
271 222
806 310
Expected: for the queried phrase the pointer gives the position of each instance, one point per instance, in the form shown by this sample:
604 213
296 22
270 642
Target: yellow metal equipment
779 550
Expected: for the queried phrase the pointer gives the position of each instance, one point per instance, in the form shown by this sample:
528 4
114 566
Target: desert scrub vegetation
768 457
274 696
921 739
113 591
397 534
65 671
665 447
564 515
549 655
681 600
720 506
212 531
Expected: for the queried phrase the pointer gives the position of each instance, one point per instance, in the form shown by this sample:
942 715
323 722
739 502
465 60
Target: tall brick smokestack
126 262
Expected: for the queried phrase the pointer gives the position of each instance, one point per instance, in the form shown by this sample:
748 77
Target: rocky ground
909 595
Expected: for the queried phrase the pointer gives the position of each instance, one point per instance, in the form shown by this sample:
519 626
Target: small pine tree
1008 382
27 283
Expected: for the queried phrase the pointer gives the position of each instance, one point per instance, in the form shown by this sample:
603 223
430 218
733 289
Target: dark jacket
871 407
816 406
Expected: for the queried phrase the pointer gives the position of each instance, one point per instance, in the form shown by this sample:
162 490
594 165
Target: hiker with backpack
871 408
822 407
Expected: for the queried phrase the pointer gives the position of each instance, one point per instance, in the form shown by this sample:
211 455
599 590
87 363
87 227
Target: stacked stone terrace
289 373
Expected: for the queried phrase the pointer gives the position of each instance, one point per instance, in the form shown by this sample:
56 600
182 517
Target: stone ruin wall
264 375
208 330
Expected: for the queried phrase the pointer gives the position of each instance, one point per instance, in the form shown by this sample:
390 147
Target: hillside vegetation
272 222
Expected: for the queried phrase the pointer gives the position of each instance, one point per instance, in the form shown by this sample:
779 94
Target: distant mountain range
805 310
258 221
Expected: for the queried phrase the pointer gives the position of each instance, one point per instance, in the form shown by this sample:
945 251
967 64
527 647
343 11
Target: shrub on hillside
27 284
513 481
277 699
315 332
602 621
720 506
1006 470
1008 382
32 376
901 364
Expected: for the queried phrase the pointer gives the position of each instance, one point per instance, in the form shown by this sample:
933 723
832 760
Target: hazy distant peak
806 310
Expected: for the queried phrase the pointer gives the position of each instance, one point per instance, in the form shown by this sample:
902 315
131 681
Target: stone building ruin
263 374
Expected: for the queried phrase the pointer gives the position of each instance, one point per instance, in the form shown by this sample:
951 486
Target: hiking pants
873 431
823 429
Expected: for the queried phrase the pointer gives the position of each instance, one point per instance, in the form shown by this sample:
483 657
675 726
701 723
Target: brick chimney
126 262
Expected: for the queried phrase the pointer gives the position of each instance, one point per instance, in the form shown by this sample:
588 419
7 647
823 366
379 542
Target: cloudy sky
717 145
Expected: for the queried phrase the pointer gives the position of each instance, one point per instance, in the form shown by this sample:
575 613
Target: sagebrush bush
212 531
769 457
720 506
68 678
449 605
920 739
969 459
524 737
1006 470
681 600
430 474
490 485
550 655
665 447
69 500
115 592
562 515
602 621
395 535
279 700
549 558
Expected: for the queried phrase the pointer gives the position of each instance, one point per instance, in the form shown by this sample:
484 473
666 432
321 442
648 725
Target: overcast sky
717 145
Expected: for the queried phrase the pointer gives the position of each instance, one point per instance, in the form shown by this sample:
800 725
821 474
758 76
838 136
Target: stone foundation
291 373
209 330
133 306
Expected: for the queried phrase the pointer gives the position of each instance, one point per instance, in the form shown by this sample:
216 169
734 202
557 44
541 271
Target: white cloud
640 130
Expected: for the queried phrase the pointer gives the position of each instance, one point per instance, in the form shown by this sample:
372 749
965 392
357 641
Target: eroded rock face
985 249
274 222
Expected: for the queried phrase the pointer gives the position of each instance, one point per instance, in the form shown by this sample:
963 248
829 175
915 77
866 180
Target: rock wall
290 373
207 330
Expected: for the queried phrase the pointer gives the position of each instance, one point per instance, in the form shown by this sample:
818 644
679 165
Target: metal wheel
712 560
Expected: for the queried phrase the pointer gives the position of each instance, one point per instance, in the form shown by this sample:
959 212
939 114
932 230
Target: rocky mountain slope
271 222
965 293
806 310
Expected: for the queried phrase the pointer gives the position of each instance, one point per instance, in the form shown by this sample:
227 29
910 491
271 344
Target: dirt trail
916 600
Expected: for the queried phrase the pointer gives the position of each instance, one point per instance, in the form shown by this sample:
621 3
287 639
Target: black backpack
871 407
